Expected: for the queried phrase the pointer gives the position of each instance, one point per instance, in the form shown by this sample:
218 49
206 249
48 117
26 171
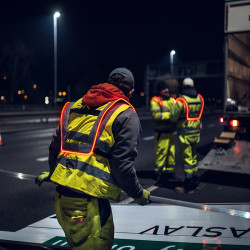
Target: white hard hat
188 82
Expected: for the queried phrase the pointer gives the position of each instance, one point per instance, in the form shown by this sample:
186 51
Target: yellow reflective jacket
160 110
87 140
187 113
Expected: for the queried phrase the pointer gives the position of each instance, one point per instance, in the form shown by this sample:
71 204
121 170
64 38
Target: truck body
231 150
237 68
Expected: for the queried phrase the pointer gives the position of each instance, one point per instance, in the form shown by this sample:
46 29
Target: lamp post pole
56 15
172 53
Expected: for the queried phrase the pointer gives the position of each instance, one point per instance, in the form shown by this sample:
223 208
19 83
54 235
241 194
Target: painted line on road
148 138
43 158
129 199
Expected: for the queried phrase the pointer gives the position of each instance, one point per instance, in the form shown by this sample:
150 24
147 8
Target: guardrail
11 121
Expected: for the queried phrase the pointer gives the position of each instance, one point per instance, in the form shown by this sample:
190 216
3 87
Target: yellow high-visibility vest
86 143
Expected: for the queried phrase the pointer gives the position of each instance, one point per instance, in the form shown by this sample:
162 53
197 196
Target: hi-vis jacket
187 113
87 150
160 110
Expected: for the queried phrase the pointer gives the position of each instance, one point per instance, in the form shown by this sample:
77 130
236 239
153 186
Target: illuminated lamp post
56 15
172 53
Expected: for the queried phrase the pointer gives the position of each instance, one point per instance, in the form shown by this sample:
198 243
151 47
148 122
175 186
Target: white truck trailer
231 152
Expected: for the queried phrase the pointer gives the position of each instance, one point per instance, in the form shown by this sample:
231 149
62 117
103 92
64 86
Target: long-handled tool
157 199
17 175
203 207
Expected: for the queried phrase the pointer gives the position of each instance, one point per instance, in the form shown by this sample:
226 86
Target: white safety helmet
188 82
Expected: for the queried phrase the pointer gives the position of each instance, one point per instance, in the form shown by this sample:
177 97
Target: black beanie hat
161 85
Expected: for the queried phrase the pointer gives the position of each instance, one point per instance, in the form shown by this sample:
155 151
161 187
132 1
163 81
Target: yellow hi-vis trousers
164 152
189 159
86 222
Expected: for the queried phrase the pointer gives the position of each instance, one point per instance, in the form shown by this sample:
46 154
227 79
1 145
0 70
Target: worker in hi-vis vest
91 158
187 113
160 107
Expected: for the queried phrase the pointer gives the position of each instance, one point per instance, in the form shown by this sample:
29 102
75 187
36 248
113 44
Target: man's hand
144 199
44 176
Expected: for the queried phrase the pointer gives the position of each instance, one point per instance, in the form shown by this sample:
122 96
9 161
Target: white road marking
148 138
43 158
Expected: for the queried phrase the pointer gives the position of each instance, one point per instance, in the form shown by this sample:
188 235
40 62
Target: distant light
25 97
4 77
221 120
2 98
60 93
34 86
64 93
19 92
46 100
22 92
142 94
57 14
172 52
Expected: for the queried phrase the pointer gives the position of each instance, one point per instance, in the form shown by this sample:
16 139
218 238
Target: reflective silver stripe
84 138
164 108
156 110
188 129
77 136
87 168
103 146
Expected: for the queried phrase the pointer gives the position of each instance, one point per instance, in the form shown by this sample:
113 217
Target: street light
56 15
172 53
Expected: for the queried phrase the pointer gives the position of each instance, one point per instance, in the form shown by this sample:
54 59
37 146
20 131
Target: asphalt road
23 202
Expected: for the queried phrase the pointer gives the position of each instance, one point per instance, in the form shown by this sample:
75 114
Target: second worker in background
187 113
160 107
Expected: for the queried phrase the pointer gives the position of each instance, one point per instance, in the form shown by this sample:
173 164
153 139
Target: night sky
95 36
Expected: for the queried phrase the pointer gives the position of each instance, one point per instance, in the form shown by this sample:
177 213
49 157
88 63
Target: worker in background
187 113
91 158
160 107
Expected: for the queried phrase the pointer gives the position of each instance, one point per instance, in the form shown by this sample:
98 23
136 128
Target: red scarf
102 93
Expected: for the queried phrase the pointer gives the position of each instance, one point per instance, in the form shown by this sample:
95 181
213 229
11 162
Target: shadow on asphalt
226 179
162 182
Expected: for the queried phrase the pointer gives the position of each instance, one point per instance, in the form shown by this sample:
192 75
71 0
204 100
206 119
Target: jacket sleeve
126 129
176 112
54 149
157 113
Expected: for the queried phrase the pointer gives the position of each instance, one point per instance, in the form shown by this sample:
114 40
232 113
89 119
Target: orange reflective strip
158 99
180 99
97 130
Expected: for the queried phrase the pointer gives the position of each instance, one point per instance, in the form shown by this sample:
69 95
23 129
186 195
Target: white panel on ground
154 227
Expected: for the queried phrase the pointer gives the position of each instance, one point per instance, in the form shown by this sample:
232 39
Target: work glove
44 176
144 199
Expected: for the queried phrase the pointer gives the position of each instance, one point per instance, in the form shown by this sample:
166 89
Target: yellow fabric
190 130
188 154
161 112
88 233
165 151
78 179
